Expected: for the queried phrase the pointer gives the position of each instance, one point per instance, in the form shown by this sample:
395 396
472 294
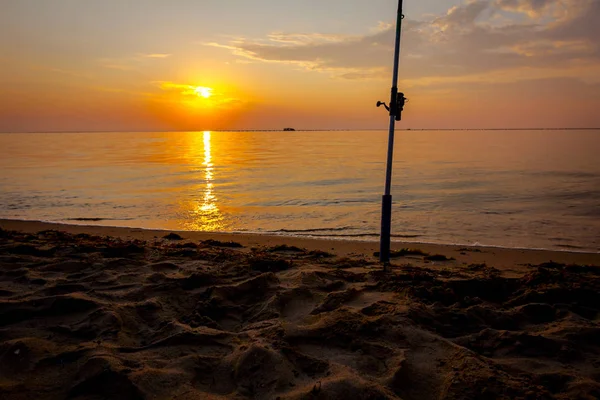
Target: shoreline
497 257
358 238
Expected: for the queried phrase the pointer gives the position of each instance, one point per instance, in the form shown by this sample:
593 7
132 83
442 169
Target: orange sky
71 65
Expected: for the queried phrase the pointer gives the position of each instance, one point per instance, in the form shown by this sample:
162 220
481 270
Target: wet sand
119 313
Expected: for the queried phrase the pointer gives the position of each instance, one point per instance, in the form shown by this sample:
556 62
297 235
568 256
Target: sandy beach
92 312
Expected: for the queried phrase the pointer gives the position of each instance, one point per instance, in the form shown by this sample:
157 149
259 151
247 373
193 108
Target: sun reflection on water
206 215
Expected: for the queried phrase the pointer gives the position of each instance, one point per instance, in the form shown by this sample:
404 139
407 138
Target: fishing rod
397 101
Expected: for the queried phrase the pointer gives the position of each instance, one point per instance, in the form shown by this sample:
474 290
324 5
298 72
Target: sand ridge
94 317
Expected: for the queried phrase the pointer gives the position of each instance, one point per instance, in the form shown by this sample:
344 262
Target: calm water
533 189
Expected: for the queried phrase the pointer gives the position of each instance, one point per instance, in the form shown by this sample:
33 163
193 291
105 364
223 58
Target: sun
203 91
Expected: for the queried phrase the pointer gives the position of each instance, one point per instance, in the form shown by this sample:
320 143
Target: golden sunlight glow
209 204
202 209
202 91
204 212
183 106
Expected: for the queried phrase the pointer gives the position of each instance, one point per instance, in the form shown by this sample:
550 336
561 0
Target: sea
507 188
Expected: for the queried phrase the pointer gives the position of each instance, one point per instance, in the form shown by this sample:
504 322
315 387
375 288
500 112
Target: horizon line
306 130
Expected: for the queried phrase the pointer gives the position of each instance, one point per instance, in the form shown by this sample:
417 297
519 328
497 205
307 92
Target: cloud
155 55
549 9
469 41
533 8
179 87
131 63
307 39
340 55
464 16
